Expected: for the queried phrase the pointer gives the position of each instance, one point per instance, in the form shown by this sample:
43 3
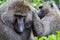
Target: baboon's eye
40 7
51 5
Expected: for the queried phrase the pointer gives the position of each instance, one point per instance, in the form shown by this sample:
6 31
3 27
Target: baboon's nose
21 25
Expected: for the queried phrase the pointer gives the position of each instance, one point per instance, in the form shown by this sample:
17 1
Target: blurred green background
2 1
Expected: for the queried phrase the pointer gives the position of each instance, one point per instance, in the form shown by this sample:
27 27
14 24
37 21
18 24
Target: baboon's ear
51 5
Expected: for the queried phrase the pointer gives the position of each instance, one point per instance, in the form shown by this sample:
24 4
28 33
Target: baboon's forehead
19 6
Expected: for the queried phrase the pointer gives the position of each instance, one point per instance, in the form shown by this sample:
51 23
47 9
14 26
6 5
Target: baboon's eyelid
40 7
51 5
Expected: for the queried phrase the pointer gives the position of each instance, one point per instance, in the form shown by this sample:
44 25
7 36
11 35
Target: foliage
2 1
57 2
36 3
50 37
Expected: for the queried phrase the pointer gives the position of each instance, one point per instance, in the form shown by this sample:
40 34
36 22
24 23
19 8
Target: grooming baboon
49 20
16 20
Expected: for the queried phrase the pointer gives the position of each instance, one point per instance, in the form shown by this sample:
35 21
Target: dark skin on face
19 21
40 14
20 24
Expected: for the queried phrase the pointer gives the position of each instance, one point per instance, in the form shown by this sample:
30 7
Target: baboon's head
47 7
16 14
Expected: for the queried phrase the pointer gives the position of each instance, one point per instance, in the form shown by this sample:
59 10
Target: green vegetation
2 1
50 37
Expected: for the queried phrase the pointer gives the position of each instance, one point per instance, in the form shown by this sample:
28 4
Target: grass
50 37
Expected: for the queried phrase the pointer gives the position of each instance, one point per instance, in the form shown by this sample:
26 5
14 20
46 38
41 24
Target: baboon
48 20
16 20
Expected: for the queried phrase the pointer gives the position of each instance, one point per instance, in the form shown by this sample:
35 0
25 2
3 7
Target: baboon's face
16 15
45 8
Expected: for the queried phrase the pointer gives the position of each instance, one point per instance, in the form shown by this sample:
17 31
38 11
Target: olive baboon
49 20
16 20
